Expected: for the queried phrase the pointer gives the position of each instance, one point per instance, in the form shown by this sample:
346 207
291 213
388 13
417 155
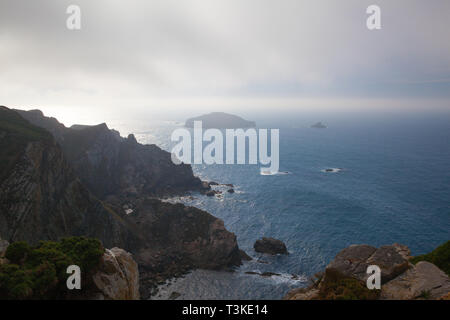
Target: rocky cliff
109 164
41 197
117 277
345 277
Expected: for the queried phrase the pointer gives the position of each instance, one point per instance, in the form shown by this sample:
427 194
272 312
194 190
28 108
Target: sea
389 183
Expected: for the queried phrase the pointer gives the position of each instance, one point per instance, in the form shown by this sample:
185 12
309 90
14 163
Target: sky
170 56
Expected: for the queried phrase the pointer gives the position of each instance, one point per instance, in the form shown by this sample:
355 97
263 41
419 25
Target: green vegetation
425 295
39 272
334 286
439 257
15 133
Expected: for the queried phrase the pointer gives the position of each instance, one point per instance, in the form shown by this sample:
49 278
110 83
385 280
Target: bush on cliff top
439 257
335 286
39 272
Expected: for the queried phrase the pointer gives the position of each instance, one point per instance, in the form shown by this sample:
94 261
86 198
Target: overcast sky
171 54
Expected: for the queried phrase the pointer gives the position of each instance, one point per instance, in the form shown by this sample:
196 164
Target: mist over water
393 186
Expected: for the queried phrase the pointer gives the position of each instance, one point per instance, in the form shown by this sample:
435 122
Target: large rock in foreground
117 277
345 277
270 246
425 281
354 260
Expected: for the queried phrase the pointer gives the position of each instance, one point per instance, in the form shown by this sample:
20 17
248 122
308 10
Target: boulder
390 260
351 261
270 246
230 190
117 277
354 260
424 280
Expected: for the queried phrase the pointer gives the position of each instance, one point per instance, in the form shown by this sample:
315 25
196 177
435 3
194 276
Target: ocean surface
393 186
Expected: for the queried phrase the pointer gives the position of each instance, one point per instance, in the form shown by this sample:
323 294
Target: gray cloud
134 52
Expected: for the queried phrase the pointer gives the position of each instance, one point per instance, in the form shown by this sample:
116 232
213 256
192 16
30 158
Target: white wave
265 172
331 170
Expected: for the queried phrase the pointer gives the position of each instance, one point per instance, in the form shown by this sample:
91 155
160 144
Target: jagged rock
270 246
244 256
109 164
400 279
117 277
425 280
230 190
390 260
354 260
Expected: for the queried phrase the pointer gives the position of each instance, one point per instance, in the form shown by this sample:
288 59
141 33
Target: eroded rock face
424 280
109 164
270 246
117 277
354 260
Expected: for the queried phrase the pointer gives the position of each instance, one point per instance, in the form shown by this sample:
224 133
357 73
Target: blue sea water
394 186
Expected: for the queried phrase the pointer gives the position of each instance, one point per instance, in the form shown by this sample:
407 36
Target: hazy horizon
166 58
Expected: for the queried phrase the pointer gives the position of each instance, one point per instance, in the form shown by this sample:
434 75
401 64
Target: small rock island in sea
220 120
319 125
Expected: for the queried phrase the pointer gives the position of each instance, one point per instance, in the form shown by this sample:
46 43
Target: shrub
335 286
17 251
439 256
39 272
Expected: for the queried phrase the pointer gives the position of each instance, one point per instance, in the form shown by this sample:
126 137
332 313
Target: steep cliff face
109 164
42 198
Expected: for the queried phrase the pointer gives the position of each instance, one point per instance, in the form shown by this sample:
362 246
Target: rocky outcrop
354 260
177 238
400 280
109 164
117 277
425 281
270 246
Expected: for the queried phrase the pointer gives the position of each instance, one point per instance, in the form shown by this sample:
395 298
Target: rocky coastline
60 182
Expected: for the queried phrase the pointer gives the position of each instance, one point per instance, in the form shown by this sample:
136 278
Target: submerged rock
270 246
